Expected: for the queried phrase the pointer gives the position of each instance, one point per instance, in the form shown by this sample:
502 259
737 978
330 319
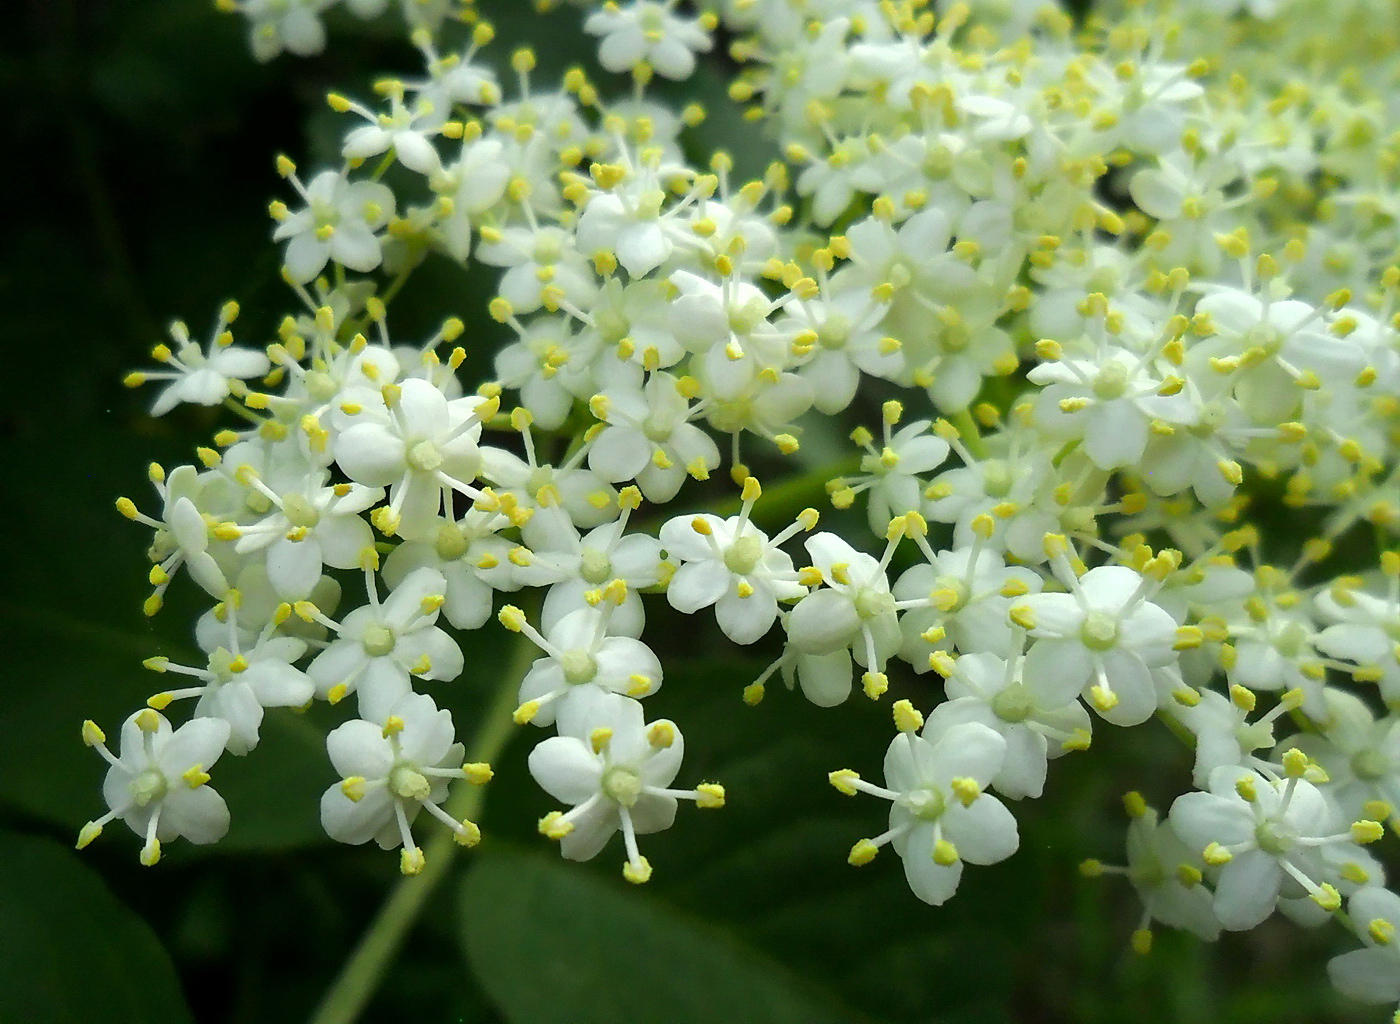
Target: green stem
971 436
361 974
244 411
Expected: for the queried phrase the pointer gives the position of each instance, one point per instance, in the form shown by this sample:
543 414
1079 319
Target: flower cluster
1102 289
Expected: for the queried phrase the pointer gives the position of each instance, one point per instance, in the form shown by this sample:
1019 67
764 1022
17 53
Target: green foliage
558 946
73 954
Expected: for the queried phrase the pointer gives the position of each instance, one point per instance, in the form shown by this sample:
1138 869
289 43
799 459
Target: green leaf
554 945
73 954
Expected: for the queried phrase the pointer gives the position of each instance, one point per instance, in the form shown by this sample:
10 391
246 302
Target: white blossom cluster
1104 289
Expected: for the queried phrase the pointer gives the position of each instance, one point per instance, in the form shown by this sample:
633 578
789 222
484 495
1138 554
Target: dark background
139 149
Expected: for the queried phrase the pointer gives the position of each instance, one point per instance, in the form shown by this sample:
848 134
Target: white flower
575 567
941 815
614 771
1366 627
158 785
1360 753
1168 877
277 25
649 438
1270 350
854 609
1013 483
422 447
627 220
1372 973
183 537
959 599
475 183
726 325
733 565
392 771
581 659
848 341
472 557
1104 637
585 497
201 376
240 680
1264 835
404 129
648 31
536 258
1036 722
552 364
381 646
1108 403
1224 733
341 221
890 475
308 522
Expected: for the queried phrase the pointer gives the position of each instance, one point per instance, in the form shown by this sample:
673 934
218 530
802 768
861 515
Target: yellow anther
1366 831
1295 763
147 720
661 735
1103 699
1328 898
599 738
89 832
411 861
1022 615
1215 855
466 833
637 872
943 663
844 780
906 717
553 826
966 790
1134 804
1188 638
862 853
945 854
1080 739
709 796
875 684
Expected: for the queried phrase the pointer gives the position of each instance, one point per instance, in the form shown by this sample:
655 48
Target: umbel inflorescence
1090 288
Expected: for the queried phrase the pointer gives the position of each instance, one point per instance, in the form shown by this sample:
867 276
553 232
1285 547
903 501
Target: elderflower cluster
1083 298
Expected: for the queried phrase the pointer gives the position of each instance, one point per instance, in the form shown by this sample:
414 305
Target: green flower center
1012 704
622 785
742 556
378 641
1099 631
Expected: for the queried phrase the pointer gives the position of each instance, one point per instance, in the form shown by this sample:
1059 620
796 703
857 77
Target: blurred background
140 140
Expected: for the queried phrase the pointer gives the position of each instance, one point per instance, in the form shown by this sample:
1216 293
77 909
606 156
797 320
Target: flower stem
360 976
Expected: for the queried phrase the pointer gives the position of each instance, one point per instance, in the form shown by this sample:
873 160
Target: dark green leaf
73 954
553 945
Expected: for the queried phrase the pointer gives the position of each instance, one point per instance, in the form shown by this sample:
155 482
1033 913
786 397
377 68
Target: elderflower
615 771
940 814
158 784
